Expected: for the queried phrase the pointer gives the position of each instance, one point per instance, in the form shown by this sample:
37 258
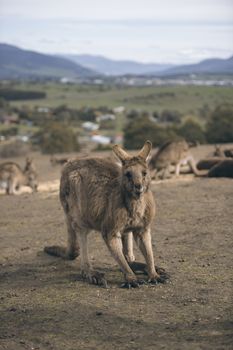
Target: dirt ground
44 304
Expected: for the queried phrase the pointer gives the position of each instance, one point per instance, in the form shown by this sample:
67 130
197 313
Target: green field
189 100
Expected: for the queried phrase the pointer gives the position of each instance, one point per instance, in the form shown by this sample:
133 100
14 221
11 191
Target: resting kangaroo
222 169
12 177
171 153
98 194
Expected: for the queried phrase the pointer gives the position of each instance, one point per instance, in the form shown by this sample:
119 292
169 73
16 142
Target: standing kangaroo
12 177
98 194
172 153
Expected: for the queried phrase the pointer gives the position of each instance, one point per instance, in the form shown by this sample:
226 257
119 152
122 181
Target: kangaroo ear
29 160
145 151
120 153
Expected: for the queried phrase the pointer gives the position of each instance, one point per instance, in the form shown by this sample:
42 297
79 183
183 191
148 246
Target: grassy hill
16 63
210 66
188 100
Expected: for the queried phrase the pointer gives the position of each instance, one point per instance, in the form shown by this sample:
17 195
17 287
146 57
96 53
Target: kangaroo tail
192 165
61 252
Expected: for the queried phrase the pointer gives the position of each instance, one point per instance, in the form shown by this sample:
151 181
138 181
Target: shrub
12 131
141 129
56 138
14 149
168 116
220 125
17 95
191 131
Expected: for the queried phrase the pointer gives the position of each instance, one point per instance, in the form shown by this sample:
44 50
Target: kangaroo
222 169
218 152
171 153
58 161
97 194
228 152
12 177
208 163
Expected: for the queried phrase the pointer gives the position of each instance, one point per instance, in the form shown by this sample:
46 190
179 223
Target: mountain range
209 66
111 67
16 63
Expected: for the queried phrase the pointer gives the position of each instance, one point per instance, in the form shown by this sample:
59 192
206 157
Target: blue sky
175 31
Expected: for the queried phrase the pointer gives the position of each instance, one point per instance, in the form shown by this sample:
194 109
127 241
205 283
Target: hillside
108 66
17 63
210 66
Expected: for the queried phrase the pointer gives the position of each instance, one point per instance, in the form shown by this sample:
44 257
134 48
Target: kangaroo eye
144 173
128 174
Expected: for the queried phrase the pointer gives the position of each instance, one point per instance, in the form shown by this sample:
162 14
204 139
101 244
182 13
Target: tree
141 129
191 131
220 126
56 138
168 116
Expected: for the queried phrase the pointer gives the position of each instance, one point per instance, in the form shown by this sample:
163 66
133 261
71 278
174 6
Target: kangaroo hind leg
94 277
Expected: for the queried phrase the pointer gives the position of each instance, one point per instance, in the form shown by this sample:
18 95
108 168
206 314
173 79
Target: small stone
12 309
99 313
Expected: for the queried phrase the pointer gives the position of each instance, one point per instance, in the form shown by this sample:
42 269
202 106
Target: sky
165 31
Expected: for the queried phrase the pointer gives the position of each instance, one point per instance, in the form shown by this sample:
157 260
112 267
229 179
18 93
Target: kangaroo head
135 173
29 166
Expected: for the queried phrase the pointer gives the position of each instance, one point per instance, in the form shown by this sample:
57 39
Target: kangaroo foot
95 277
133 284
158 279
73 255
139 267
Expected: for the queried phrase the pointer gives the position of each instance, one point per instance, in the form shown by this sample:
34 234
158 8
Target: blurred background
78 75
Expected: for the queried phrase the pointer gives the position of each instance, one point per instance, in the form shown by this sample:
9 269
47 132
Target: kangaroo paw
158 279
133 284
139 267
95 277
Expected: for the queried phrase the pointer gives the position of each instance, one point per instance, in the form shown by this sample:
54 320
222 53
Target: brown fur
171 153
208 163
219 152
222 169
58 161
12 177
228 152
98 194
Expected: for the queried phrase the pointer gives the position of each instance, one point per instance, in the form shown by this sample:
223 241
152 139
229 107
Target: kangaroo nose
138 187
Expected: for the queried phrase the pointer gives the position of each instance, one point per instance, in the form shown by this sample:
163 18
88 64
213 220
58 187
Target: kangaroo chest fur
135 215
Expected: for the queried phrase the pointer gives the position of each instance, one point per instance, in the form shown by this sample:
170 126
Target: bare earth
44 304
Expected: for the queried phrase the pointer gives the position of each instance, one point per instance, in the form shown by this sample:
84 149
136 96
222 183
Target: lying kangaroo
12 177
97 194
208 163
228 152
172 153
219 152
222 169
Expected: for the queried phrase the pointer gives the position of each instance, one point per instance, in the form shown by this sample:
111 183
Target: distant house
105 117
100 139
43 110
8 119
90 126
119 109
